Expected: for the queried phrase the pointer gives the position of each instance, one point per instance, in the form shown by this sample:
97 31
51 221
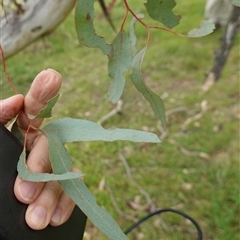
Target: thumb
10 108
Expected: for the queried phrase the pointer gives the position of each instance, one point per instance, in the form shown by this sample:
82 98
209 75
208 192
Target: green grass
206 189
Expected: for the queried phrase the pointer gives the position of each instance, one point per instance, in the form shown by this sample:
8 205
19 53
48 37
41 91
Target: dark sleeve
12 212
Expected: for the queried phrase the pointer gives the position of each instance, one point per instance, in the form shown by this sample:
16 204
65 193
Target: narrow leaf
132 37
16 132
80 194
118 64
47 111
161 10
205 29
84 16
154 100
70 130
41 177
235 2
60 159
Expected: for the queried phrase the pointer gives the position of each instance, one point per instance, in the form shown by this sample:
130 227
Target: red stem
15 91
130 10
147 26
5 71
125 16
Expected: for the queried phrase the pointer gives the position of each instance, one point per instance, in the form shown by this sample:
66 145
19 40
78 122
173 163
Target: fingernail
57 215
30 116
39 215
54 71
27 190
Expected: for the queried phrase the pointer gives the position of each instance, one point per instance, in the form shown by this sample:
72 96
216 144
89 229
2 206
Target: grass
205 188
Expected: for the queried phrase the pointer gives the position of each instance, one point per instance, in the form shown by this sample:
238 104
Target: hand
48 204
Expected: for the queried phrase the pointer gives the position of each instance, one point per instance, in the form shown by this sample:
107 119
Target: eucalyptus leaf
162 11
79 193
47 111
132 37
154 100
84 16
16 132
205 29
118 64
41 177
60 159
235 2
71 130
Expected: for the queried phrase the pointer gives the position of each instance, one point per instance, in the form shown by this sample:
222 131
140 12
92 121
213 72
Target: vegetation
196 167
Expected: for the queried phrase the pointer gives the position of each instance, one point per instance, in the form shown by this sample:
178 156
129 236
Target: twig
175 110
115 111
197 116
187 152
141 190
164 133
116 207
130 177
106 13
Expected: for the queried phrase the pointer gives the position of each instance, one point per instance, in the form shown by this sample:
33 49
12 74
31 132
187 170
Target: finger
10 108
38 161
44 87
40 212
64 208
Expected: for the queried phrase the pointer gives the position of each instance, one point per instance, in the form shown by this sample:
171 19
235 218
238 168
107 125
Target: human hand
48 204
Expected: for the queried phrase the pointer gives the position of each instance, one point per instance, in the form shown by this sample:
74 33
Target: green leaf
60 159
235 2
161 10
47 111
16 132
84 16
154 100
41 177
70 130
118 64
205 29
80 194
132 36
